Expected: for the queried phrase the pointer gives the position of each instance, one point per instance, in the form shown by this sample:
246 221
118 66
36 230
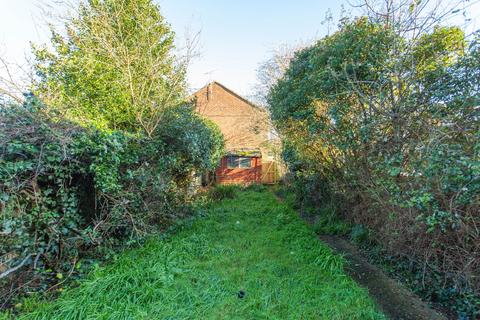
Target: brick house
249 143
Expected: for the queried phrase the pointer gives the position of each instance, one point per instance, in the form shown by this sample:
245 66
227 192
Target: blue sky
236 35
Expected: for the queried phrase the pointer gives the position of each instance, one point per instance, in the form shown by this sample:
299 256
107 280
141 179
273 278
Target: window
245 162
238 162
232 162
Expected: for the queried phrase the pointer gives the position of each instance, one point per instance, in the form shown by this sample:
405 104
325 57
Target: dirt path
396 301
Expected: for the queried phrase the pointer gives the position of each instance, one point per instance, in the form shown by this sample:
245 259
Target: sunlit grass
251 243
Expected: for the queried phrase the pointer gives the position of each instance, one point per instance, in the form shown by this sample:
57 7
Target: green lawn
251 243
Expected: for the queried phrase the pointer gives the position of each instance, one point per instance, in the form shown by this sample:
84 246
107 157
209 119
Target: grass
221 192
328 222
251 257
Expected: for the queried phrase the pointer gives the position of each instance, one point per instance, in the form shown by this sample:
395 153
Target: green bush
385 127
110 156
66 190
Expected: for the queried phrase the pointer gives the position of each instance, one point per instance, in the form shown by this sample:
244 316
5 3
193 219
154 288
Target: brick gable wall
244 126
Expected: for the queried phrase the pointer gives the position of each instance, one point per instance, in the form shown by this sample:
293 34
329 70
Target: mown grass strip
250 258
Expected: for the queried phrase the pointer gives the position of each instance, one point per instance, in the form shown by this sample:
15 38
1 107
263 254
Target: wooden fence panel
270 172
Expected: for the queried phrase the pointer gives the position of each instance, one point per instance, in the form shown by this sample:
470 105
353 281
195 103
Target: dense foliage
105 150
387 128
112 67
66 189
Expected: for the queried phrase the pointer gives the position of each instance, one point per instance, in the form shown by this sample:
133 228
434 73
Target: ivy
387 128
66 189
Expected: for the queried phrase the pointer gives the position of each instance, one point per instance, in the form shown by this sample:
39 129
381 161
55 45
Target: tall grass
220 192
250 258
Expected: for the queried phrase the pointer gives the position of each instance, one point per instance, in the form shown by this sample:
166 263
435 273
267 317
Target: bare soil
396 301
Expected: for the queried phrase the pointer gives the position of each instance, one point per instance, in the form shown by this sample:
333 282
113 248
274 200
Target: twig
9 271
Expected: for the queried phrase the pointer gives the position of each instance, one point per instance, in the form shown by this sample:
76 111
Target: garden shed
240 167
251 148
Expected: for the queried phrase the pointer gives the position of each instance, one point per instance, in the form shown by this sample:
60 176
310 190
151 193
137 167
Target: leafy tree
105 149
383 115
114 67
66 190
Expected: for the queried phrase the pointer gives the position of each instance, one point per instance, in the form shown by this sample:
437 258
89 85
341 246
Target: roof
229 91
245 152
